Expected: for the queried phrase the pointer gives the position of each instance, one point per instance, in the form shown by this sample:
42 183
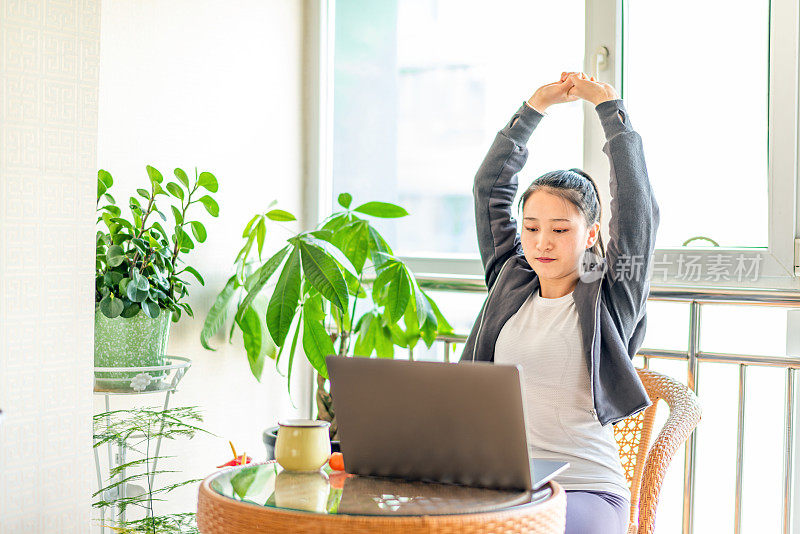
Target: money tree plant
321 275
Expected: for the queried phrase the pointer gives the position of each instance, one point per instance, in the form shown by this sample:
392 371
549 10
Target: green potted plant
324 274
139 276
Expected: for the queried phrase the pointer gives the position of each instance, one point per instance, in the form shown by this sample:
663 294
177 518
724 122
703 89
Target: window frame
779 262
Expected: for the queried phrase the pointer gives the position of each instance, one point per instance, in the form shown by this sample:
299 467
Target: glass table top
335 492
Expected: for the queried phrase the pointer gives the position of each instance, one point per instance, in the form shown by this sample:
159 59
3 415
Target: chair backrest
646 463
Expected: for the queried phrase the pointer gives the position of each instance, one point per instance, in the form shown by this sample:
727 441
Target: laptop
451 423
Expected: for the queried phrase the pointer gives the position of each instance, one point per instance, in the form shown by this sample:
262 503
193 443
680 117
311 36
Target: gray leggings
596 512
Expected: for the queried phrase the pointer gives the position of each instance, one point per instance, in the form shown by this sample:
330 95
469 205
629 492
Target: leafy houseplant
322 279
138 283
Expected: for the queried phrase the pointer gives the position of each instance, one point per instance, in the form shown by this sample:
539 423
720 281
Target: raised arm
634 211
634 216
496 180
495 188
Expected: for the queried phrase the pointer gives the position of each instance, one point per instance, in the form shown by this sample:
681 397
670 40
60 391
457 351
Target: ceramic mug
302 444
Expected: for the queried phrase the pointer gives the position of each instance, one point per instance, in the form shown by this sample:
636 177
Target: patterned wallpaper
49 63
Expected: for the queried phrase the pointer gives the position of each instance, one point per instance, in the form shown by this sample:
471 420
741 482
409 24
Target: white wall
48 133
218 85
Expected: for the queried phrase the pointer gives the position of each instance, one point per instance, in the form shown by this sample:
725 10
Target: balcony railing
696 298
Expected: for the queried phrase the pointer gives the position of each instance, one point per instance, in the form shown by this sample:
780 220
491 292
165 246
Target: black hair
579 188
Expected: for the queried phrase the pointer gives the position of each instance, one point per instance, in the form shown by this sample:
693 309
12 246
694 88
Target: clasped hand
571 87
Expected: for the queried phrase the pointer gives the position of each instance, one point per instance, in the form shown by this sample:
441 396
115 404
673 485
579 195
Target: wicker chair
646 463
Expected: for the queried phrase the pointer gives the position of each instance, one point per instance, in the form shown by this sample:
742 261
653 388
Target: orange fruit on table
336 461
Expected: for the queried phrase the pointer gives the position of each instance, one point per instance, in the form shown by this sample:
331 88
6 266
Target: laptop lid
455 423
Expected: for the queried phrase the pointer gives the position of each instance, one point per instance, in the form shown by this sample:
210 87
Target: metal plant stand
169 375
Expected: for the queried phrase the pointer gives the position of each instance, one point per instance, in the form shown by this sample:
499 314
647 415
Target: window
420 87
706 142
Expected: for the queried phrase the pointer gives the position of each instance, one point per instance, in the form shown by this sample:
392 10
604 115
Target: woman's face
552 227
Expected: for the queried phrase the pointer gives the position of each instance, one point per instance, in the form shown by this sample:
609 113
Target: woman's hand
553 93
589 89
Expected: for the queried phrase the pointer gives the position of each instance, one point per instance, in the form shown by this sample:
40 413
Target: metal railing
696 298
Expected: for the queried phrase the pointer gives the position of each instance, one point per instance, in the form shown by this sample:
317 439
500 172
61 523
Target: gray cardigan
611 305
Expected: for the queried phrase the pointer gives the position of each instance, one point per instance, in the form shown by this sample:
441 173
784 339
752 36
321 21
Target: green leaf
399 294
113 210
210 204
144 193
317 344
352 239
140 245
250 225
177 214
251 334
136 294
139 281
442 326
283 303
245 252
115 256
428 332
384 277
105 178
154 175
411 322
110 306
383 341
365 343
218 313
150 309
280 215
291 354
123 285
425 312
209 181
199 231
112 279
186 241
377 247
336 222
175 190
261 232
331 249
345 199
130 311
323 273
192 270
381 209
398 336
180 175
260 278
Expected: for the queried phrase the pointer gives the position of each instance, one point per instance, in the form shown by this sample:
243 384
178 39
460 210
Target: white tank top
544 338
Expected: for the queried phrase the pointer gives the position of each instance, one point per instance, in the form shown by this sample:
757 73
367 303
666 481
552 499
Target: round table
265 498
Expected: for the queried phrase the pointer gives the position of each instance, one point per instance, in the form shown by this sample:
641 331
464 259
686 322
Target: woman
571 313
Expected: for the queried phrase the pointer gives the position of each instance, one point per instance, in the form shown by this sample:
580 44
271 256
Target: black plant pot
270 436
